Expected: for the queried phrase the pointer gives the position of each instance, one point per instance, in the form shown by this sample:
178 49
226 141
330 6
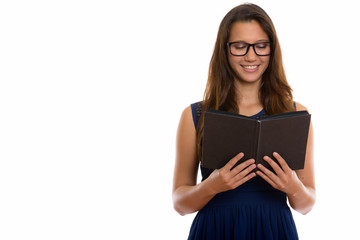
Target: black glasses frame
248 47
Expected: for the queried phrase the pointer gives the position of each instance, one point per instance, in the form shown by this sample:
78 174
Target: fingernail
239 156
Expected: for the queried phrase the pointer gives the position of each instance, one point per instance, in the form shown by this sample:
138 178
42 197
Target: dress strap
196 109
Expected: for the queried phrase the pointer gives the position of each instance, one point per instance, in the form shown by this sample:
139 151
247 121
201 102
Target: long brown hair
275 93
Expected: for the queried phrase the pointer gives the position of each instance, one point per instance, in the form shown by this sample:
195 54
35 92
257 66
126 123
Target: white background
91 93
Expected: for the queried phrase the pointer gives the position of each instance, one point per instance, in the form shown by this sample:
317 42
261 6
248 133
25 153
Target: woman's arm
299 185
304 199
189 197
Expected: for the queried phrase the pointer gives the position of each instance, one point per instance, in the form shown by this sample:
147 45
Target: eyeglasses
242 48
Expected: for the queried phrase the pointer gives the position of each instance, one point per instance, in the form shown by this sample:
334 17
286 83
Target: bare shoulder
186 133
300 107
187 112
186 119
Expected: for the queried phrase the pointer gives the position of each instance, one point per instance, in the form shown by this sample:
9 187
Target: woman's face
250 67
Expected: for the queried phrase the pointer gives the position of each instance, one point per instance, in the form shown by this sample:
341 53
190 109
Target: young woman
246 76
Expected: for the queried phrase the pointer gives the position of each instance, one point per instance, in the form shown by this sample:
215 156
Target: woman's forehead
248 32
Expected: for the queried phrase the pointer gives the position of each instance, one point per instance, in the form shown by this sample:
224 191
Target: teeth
250 67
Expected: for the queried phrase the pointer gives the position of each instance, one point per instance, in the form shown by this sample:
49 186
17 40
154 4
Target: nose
251 55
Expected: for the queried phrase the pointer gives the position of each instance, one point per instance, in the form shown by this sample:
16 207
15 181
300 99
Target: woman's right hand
230 177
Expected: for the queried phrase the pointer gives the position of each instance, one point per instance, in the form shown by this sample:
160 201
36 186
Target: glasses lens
239 48
262 49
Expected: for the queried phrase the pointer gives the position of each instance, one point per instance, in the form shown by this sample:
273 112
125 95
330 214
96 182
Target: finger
245 179
272 176
274 166
266 178
282 162
232 162
243 172
239 168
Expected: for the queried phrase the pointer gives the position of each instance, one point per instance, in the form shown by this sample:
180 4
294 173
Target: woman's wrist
208 187
297 189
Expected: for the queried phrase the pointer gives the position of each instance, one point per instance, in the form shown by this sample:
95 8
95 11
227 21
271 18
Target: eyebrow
258 41
263 40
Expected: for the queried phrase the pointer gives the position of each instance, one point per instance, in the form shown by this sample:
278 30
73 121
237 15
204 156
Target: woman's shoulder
300 107
191 114
186 130
187 116
187 112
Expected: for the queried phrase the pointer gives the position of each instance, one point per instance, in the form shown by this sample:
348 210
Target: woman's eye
261 45
239 46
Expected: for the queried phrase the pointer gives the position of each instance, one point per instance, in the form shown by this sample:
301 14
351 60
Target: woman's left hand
285 179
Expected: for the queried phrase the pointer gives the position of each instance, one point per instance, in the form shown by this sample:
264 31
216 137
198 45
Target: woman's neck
247 94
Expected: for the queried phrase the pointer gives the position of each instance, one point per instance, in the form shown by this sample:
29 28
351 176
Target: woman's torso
254 210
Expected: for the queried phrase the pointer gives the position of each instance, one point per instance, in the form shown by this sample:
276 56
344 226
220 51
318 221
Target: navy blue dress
254 210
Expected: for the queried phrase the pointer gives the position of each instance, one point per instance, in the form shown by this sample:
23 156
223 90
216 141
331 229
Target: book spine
257 142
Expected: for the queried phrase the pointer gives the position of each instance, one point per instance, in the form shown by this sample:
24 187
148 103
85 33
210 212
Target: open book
227 134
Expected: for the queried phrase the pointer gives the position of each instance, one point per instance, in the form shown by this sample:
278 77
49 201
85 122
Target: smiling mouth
250 67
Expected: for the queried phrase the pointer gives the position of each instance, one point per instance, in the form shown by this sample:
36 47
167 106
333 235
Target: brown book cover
227 134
